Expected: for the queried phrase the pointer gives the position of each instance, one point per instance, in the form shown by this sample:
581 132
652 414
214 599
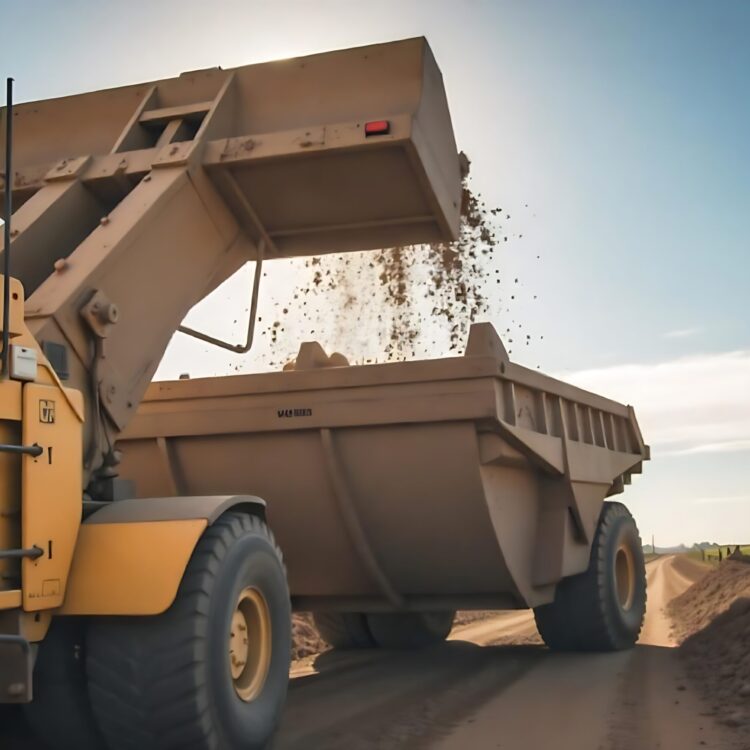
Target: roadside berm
712 624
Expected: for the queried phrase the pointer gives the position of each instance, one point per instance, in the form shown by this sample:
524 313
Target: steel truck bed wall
463 482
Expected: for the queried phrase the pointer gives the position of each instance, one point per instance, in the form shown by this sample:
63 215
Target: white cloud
728 446
718 500
683 333
696 404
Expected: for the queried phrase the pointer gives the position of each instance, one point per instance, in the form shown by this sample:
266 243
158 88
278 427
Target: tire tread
144 675
579 619
344 630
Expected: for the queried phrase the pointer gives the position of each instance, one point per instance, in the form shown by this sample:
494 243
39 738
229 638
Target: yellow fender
131 555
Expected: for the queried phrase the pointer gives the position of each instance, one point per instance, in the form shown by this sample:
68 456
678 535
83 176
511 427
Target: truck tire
344 630
409 630
601 609
60 714
189 678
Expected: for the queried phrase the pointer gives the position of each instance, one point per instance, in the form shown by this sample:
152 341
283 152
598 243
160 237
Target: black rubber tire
586 614
344 630
14 730
409 630
60 714
164 682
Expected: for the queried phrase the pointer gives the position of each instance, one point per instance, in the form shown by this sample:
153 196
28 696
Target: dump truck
126 207
144 600
403 491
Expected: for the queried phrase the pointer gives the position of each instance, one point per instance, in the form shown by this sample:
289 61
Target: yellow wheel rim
250 644
625 576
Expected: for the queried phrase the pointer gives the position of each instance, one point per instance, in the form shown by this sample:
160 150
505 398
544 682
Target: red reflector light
377 127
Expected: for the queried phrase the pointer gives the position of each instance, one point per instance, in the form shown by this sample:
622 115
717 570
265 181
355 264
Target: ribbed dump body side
421 484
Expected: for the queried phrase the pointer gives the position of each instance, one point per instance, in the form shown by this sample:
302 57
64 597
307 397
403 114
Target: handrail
15 554
26 450
236 348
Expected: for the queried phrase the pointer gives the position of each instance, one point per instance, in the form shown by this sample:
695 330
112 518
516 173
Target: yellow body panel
130 568
17 326
10 398
51 492
10 498
10 599
33 626
53 488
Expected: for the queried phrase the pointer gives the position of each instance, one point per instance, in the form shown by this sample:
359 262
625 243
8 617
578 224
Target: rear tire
601 609
178 680
344 630
392 630
409 630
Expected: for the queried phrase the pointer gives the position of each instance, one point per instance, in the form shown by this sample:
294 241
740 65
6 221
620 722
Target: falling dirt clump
449 277
399 303
712 622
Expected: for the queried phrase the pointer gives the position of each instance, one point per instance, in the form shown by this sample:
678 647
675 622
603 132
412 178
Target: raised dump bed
468 482
345 150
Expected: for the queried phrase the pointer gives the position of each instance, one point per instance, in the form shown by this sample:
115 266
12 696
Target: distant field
712 553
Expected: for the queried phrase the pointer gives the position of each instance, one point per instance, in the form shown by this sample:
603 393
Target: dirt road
494 686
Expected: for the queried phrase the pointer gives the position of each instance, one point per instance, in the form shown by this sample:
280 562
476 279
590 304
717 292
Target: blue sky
625 128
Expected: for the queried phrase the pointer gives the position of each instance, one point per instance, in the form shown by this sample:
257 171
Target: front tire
211 673
603 608
60 714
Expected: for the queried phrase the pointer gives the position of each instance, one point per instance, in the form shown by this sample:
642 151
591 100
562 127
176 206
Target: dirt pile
469 616
307 642
712 623
305 638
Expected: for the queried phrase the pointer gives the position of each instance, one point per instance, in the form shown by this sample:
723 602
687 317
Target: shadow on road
397 698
